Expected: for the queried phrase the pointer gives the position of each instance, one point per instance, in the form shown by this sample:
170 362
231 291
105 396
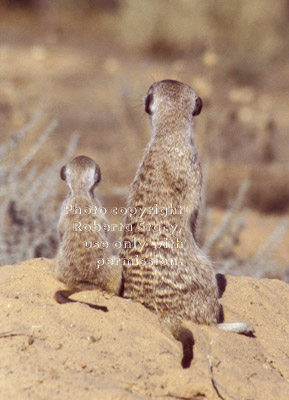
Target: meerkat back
84 260
171 274
163 267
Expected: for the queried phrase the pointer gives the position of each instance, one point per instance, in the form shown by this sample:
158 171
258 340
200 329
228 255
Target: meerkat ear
198 106
97 175
148 103
63 173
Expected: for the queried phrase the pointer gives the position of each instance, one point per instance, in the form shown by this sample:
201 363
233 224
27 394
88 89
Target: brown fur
78 266
169 175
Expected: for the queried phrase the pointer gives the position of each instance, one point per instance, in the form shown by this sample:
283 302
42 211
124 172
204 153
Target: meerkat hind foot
237 327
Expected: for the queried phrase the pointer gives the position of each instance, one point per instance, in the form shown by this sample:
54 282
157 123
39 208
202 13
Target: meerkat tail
62 296
184 336
237 327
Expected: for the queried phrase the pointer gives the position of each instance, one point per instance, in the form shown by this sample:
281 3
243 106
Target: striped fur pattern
165 269
83 261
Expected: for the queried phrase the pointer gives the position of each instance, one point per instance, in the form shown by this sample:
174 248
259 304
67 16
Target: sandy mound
121 351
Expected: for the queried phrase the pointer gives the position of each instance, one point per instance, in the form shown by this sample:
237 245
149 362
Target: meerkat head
173 98
81 174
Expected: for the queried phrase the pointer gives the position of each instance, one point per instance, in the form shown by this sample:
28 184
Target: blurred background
72 78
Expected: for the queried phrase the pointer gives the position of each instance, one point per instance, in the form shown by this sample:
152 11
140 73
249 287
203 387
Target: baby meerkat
166 271
84 260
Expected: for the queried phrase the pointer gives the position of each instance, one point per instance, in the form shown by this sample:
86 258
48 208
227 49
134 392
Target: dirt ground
103 347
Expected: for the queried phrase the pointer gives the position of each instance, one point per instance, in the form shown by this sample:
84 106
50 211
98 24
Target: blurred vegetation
91 62
249 31
28 193
29 213
220 243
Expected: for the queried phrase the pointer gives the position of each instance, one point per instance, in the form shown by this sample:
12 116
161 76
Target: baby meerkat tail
237 327
185 336
62 296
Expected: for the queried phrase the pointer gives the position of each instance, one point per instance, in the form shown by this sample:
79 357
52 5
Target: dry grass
30 212
220 243
28 197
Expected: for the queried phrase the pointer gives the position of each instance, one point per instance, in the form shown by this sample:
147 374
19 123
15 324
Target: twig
11 333
49 130
215 384
269 247
227 220
14 139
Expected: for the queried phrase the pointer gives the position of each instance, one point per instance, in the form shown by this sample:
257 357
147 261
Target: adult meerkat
167 271
84 260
